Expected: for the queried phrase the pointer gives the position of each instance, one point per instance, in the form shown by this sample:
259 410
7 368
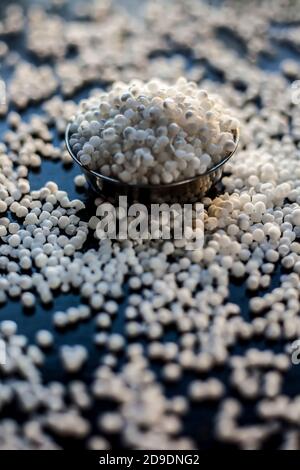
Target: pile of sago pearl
152 133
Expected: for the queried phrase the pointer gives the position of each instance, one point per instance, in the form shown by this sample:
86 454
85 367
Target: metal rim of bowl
236 135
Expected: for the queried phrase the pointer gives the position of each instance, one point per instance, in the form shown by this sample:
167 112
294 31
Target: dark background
198 422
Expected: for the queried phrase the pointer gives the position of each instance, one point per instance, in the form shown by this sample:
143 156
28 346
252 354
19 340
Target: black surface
198 422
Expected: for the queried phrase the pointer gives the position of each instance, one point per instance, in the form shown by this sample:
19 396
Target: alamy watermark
2 352
2 92
181 223
295 352
295 92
